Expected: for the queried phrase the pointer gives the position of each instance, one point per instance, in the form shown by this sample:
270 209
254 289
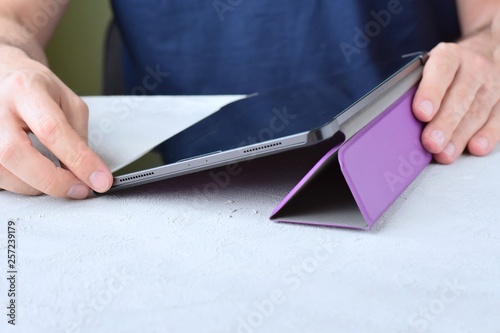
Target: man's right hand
33 99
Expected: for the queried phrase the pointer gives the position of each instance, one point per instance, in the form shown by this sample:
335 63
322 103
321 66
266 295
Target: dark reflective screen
285 111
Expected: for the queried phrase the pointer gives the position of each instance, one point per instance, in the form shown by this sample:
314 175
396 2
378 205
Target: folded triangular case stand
358 180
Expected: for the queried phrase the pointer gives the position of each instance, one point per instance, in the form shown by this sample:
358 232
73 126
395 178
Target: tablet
302 113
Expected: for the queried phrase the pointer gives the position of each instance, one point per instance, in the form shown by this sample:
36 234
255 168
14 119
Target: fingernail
450 150
482 143
427 107
99 181
438 137
78 191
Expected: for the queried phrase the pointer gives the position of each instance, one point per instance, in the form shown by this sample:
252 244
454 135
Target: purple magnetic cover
381 160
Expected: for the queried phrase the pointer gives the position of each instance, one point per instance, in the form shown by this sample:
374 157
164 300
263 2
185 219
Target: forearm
14 35
480 22
477 15
29 24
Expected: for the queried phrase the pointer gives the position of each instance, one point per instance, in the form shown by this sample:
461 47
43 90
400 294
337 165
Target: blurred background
76 51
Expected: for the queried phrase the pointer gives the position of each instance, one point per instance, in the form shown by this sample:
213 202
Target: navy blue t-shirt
246 46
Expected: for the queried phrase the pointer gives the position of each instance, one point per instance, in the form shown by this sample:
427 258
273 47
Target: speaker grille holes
137 177
262 147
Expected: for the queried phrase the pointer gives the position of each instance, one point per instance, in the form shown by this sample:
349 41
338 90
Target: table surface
184 256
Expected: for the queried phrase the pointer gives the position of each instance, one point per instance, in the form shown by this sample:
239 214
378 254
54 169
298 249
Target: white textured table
185 256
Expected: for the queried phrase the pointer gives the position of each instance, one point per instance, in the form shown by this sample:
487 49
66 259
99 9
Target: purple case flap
378 163
381 160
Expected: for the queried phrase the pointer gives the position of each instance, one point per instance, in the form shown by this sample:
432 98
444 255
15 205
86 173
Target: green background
76 51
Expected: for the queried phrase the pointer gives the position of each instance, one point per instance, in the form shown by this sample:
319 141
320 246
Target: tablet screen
296 108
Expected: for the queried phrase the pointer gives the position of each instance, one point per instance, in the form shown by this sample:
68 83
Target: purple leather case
355 182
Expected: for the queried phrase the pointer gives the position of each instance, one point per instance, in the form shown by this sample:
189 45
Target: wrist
16 50
482 40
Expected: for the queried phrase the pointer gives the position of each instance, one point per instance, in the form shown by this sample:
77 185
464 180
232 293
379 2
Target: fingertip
443 158
479 146
423 110
101 181
78 191
433 141
448 155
